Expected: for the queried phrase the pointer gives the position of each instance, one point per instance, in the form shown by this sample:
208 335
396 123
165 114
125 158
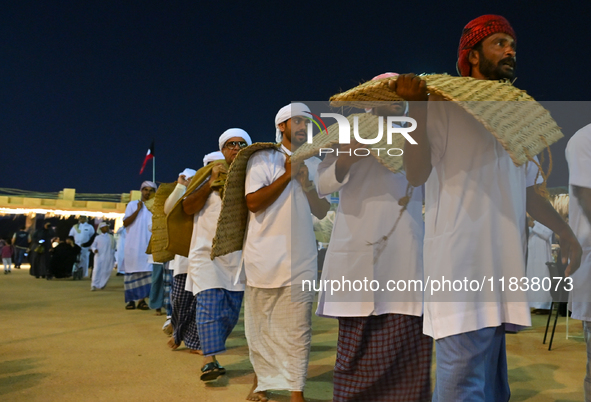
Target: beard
495 72
296 141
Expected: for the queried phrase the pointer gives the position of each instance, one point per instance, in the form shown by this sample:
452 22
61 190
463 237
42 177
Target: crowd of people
51 257
475 201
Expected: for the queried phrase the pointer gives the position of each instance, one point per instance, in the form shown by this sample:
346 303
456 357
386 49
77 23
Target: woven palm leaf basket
368 126
521 125
229 235
159 239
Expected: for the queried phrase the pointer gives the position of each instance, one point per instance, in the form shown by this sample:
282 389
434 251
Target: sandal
211 371
130 306
142 305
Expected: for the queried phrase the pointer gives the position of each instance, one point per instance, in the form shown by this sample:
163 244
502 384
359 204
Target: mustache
301 132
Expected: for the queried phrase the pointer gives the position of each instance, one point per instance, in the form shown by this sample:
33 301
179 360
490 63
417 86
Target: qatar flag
149 155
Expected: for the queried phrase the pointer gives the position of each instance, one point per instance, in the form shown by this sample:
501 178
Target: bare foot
196 352
297 396
260 396
158 312
171 344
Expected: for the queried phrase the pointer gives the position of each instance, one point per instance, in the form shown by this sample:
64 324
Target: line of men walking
475 209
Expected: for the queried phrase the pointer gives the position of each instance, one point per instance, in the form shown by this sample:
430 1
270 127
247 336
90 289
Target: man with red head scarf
500 38
475 212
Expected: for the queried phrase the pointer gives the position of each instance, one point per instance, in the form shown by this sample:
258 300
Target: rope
381 244
542 189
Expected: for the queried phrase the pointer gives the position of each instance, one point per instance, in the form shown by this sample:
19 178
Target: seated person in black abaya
64 257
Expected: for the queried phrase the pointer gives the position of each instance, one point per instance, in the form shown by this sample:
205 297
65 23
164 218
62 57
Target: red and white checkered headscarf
477 30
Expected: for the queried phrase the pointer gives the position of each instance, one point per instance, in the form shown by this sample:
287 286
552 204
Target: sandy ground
61 342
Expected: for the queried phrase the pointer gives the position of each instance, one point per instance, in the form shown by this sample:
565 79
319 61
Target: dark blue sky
86 85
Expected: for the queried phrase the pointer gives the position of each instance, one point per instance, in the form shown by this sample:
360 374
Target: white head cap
212 156
149 184
231 133
188 173
286 113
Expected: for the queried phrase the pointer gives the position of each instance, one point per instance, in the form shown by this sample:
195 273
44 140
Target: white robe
368 209
280 246
539 252
474 226
136 241
119 254
82 232
203 273
578 155
104 259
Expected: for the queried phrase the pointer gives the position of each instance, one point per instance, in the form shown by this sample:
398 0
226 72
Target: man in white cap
216 284
280 251
382 354
137 268
183 325
103 248
82 233
212 156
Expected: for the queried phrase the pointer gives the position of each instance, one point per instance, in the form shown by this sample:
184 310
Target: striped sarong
383 358
217 315
167 279
279 332
184 305
137 286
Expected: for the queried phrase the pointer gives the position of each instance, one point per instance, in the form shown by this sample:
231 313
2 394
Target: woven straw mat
524 129
158 241
368 125
229 235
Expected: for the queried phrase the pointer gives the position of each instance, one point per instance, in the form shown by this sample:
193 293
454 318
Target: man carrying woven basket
382 353
279 253
475 210
215 283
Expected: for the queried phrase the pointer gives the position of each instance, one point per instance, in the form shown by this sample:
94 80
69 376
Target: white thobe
104 259
180 264
119 254
136 240
279 253
82 232
368 209
539 252
578 155
203 273
474 226
280 247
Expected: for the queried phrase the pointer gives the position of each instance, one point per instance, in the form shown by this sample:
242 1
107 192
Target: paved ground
61 342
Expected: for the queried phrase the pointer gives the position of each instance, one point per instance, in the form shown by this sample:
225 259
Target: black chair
558 293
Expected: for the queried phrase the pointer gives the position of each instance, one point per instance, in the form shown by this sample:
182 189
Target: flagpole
154 169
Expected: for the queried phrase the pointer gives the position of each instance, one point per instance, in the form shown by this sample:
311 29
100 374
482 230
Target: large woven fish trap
159 238
368 126
521 125
231 228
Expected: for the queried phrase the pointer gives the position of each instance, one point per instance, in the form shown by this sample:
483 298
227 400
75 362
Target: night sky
85 86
